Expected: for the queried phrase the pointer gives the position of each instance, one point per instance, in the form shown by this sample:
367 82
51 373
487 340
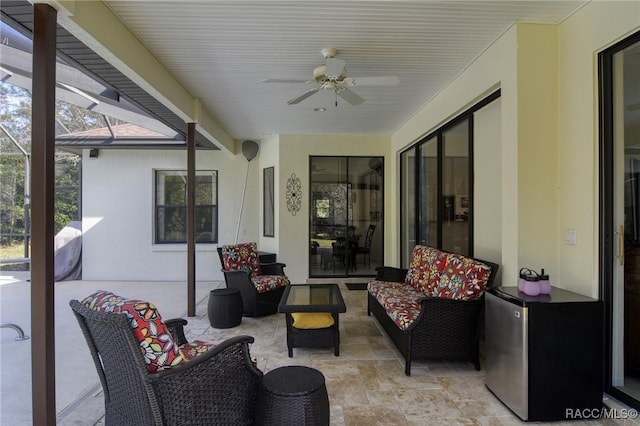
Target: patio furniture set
151 374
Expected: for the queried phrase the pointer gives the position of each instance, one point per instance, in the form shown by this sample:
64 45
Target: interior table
312 298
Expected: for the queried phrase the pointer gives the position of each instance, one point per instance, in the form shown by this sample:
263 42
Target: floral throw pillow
242 257
156 344
462 278
424 268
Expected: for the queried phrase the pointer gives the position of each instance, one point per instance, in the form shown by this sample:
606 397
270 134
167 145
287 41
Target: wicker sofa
433 309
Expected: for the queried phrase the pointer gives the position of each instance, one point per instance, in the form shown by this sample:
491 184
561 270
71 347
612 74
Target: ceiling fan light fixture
330 85
329 52
332 76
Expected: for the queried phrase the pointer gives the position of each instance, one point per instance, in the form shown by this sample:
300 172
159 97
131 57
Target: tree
15 116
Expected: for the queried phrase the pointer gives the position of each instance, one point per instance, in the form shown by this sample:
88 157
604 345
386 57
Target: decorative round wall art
294 194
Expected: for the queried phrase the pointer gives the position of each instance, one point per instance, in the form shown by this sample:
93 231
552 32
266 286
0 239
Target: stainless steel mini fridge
544 353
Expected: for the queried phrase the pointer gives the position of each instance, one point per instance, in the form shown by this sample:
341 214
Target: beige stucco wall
294 155
269 157
549 137
537 160
580 38
487 235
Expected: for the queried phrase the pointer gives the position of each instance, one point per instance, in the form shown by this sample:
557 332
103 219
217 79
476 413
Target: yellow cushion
312 319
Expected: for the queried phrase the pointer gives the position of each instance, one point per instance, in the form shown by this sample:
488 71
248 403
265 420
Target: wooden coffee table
312 298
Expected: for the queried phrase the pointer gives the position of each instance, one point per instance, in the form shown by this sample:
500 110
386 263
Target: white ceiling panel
222 50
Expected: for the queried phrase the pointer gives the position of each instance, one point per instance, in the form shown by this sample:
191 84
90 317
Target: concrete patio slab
75 373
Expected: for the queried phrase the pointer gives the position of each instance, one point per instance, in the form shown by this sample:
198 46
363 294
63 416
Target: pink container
532 283
531 286
527 276
545 284
521 283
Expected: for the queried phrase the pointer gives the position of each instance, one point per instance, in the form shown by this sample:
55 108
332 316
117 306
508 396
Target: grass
13 251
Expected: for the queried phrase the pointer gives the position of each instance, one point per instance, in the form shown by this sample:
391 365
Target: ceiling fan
333 76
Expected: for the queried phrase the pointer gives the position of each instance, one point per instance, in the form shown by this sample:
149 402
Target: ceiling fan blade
285 80
376 81
334 67
304 96
350 96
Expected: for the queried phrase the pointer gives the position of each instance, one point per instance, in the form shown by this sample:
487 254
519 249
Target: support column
43 389
191 219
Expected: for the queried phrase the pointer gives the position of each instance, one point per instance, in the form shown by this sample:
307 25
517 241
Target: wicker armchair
205 384
261 285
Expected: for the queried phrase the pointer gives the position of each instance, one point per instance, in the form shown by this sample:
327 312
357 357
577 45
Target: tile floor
366 383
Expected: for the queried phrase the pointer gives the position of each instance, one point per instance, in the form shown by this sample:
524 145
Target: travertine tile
426 403
347 392
373 416
482 421
366 383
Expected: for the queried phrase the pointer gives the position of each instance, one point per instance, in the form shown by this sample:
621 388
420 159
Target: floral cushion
399 300
193 349
461 278
265 283
424 268
156 344
242 257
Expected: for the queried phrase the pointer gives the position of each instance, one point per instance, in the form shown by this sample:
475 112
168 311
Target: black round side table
293 395
225 308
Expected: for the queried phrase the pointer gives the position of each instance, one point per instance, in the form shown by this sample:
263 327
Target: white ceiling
222 50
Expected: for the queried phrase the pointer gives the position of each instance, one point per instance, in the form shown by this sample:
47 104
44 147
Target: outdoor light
93 153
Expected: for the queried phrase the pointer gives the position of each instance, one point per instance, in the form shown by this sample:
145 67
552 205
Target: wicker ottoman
293 395
225 308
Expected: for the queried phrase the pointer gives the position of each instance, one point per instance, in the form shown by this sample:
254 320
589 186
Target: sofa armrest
176 329
272 268
389 273
223 379
237 348
451 316
235 274
429 300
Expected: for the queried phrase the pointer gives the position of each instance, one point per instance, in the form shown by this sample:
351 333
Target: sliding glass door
345 223
428 183
455 188
620 216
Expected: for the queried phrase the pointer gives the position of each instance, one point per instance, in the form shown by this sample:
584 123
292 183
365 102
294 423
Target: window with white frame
171 206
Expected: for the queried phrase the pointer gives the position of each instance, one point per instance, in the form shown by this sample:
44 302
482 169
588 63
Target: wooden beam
191 219
43 389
